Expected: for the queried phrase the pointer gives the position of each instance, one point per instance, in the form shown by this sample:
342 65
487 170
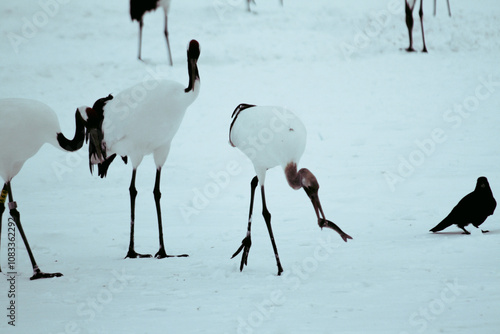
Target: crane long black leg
409 25
168 42
267 217
246 243
141 24
449 9
157 194
37 273
421 14
3 198
133 194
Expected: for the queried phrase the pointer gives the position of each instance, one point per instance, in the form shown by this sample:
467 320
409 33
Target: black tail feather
442 225
77 142
103 166
97 146
95 135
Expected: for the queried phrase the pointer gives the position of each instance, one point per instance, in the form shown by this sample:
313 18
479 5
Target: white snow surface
395 140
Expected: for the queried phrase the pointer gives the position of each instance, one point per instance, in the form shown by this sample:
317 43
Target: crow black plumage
473 209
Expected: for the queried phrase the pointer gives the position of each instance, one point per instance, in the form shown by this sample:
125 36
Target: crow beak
322 221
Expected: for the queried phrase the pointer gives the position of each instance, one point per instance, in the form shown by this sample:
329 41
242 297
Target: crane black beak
322 221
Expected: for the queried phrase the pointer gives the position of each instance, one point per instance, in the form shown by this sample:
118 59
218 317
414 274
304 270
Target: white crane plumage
133 129
25 126
140 7
270 137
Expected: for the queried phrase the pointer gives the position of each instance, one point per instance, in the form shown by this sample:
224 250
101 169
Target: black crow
472 209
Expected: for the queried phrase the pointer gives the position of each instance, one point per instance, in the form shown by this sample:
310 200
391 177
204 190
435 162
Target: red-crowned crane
253 1
134 128
270 137
409 6
24 127
137 10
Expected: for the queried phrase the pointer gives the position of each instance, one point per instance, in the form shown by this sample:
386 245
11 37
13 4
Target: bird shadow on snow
461 233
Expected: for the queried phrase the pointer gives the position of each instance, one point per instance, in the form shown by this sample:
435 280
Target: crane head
193 51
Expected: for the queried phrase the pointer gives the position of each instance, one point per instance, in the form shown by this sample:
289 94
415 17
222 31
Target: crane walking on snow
25 126
137 10
409 6
133 129
270 137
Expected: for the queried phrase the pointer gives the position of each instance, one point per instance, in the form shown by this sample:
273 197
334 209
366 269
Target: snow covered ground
395 140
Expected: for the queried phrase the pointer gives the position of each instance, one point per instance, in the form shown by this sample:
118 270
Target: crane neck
194 75
292 176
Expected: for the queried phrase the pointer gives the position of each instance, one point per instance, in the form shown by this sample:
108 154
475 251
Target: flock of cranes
138 8
149 129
